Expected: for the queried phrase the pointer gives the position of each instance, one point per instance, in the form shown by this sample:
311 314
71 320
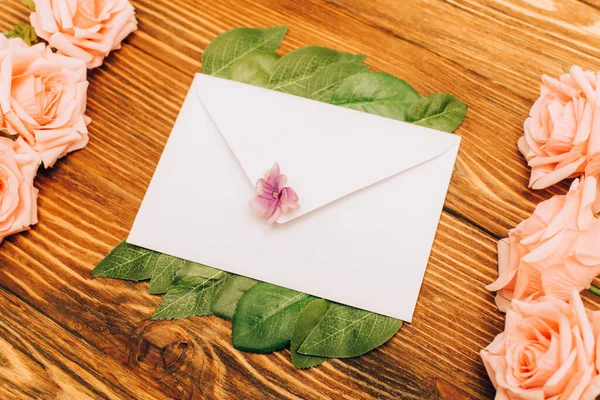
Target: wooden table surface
64 334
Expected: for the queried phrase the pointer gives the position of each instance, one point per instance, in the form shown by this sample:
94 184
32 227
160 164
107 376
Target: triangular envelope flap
326 151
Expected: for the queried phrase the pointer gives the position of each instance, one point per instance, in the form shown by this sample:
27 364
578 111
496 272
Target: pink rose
559 138
547 351
84 29
43 98
18 198
593 389
555 250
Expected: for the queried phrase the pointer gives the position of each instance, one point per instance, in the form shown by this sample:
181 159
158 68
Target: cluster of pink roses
43 94
550 349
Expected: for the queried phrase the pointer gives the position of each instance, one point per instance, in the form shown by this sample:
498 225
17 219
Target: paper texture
371 193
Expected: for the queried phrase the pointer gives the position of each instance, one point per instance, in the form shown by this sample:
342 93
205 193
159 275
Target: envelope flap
326 151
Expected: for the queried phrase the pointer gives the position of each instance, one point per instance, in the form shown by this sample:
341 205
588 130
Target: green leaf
376 93
227 297
6 134
23 31
265 316
127 262
348 332
321 85
227 48
163 273
254 69
440 111
134 263
293 70
307 320
29 3
192 292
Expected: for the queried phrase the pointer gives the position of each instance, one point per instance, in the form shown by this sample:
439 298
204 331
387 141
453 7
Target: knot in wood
163 348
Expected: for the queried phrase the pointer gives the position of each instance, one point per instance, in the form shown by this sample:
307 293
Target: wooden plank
39 359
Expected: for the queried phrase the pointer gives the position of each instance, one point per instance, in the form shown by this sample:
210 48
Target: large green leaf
264 317
292 71
134 263
227 297
127 261
376 93
163 273
29 3
23 31
348 332
440 111
307 320
227 48
254 69
192 292
321 85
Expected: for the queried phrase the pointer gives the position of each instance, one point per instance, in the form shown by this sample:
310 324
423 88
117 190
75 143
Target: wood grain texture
64 334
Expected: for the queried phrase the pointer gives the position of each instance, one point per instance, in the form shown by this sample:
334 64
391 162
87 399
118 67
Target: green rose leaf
440 111
307 320
348 332
135 263
29 3
226 299
163 273
23 31
264 317
128 262
254 69
292 71
376 93
321 85
227 48
192 292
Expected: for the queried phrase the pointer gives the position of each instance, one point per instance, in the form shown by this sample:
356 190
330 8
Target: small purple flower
273 199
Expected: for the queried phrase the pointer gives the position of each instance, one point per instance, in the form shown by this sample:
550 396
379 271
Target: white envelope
371 193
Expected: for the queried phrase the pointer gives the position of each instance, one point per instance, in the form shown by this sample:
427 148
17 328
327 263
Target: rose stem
594 289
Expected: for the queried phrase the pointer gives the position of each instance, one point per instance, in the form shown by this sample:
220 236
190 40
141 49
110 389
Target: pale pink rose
18 198
593 389
547 351
43 98
84 29
555 250
563 130
273 199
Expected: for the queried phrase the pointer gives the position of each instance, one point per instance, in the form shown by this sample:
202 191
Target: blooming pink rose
561 133
43 98
18 198
593 389
273 199
547 351
84 29
555 250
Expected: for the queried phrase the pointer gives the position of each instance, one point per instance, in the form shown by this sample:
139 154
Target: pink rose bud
273 199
